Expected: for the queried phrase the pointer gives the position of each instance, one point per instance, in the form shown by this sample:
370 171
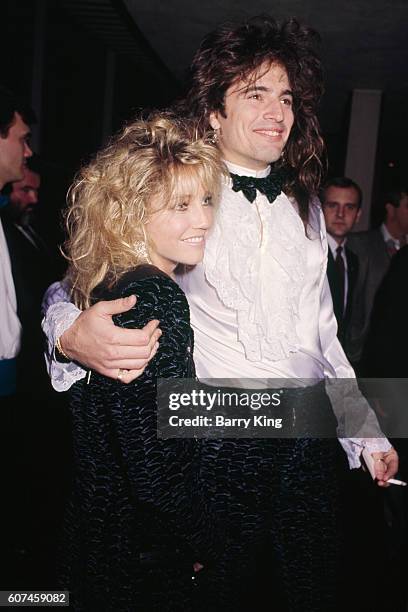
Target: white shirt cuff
354 446
59 317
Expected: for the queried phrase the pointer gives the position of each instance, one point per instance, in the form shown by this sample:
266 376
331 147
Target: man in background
23 201
35 485
14 150
341 199
15 118
377 247
32 270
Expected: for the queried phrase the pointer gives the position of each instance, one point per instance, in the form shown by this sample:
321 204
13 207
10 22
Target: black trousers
276 506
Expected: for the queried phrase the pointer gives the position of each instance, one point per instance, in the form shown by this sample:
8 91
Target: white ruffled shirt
260 303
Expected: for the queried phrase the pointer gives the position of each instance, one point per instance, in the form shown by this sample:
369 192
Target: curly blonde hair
109 201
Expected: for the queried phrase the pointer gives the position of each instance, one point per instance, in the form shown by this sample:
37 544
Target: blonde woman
136 523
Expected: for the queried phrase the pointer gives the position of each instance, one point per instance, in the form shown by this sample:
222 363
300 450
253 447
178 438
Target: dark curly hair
233 52
9 105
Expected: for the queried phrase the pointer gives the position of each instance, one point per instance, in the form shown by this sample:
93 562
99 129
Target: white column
362 146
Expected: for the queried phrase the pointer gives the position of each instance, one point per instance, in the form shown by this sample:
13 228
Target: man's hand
386 466
95 342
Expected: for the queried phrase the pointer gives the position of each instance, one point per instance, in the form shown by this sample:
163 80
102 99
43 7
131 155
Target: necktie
341 274
270 186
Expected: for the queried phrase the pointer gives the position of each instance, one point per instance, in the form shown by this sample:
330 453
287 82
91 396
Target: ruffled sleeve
60 314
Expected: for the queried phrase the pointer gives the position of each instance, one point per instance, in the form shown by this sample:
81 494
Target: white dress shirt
10 328
390 239
259 306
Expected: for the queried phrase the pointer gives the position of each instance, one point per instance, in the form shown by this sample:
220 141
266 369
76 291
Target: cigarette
396 482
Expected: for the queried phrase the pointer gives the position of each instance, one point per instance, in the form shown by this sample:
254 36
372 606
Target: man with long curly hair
260 308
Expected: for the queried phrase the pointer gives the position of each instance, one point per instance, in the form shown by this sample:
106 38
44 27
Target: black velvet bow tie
270 186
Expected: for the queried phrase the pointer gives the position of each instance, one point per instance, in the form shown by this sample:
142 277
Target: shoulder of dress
144 281
143 276
158 297
141 272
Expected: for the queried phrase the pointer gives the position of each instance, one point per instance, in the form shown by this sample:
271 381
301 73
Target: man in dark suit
385 359
341 200
15 118
377 247
32 269
387 342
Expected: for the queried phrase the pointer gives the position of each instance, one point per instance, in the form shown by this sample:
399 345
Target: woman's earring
213 137
141 251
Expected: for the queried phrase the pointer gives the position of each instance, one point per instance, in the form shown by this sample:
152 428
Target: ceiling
364 46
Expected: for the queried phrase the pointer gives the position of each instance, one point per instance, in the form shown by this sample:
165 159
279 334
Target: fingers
379 466
154 350
145 337
128 376
126 364
128 371
386 466
94 341
121 374
152 329
139 358
112 307
391 461
132 341
132 375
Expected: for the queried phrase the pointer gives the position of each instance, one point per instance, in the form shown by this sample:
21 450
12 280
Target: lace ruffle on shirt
59 317
255 260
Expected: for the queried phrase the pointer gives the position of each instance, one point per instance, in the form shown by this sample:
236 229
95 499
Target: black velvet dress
137 497
137 519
